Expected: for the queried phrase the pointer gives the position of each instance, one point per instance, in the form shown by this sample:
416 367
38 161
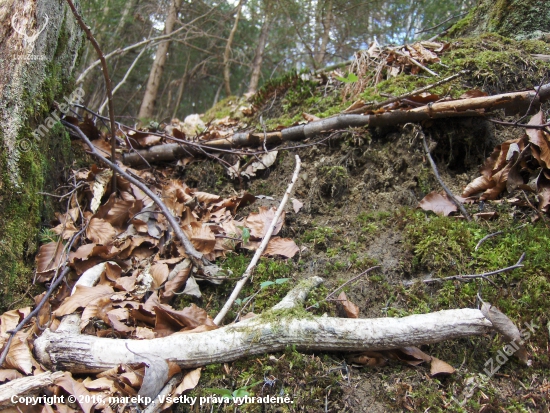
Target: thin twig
246 275
195 256
470 277
407 95
328 297
352 280
436 173
429 29
486 237
108 85
416 62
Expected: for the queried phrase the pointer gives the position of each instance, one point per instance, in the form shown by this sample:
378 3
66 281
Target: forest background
218 49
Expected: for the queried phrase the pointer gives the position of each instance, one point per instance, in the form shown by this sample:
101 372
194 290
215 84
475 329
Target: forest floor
360 192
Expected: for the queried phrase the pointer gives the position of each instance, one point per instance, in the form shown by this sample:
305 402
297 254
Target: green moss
41 166
220 110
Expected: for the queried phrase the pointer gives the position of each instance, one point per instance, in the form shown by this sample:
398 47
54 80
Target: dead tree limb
473 107
25 385
248 272
273 331
108 84
195 256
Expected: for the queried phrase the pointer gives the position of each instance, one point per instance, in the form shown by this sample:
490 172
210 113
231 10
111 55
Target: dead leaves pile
521 164
128 267
378 63
517 164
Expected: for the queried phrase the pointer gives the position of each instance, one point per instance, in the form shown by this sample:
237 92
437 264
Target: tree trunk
326 22
525 19
259 54
148 103
39 46
227 53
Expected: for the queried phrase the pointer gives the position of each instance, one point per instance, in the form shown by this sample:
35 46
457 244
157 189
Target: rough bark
525 19
33 73
157 69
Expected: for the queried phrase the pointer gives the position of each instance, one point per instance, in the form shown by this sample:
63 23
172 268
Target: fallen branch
470 277
273 331
194 255
363 109
473 107
108 85
25 385
438 177
246 275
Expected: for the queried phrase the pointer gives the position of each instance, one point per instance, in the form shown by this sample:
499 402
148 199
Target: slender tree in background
260 48
227 52
324 18
153 83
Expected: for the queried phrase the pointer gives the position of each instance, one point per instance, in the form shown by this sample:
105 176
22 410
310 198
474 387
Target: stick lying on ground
194 255
221 315
511 102
272 331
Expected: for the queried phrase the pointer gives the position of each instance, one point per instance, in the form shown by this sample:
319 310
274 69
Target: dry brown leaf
49 257
439 367
486 215
102 383
144 333
479 184
118 212
259 222
265 162
438 203
351 310
285 247
10 319
19 355
100 231
82 298
189 382
9 374
472 93
296 205
159 272
201 236
539 138
169 321
77 389
310 118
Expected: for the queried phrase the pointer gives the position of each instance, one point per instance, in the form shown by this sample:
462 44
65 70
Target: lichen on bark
32 75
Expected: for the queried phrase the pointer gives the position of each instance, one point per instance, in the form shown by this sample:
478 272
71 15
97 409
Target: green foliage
351 78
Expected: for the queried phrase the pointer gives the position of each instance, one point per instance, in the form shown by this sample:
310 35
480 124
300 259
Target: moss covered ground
360 193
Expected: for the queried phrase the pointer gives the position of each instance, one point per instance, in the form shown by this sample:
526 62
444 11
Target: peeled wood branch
25 385
511 102
273 331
